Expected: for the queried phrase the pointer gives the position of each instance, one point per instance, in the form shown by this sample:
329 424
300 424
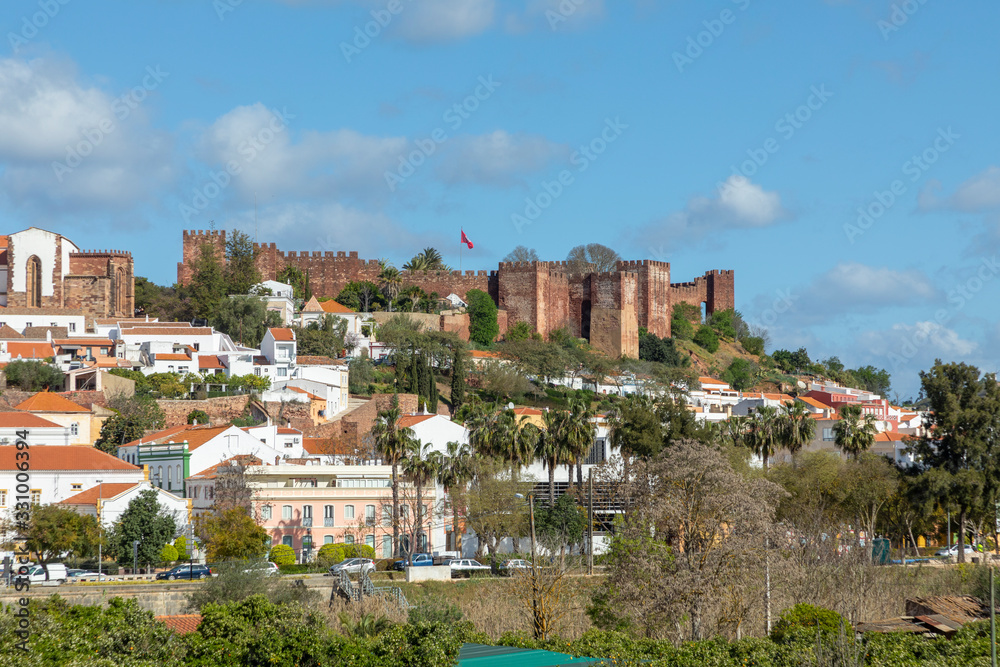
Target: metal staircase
348 590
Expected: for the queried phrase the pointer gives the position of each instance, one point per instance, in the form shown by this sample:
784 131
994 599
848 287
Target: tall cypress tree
457 378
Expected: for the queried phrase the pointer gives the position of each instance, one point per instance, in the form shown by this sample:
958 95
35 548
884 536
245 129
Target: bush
282 554
358 551
168 554
330 554
483 327
434 611
753 345
181 545
707 339
33 376
238 580
808 618
520 331
199 416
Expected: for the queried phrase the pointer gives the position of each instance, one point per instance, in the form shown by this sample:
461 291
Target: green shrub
282 554
434 611
707 339
330 554
181 545
753 345
809 618
358 551
168 554
199 416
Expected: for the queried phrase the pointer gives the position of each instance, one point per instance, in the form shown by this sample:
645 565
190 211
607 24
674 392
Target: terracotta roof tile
99 492
408 421
64 457
84 342
182 624
528 411
289 431
30 350
172 357
307 393
45 401
213 471
282 334
24 420
167 331
332 306
209 361
8 333
312 360
481 354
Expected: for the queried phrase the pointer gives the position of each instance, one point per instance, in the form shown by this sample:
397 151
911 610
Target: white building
360 326
59 472
278 350
108 502
41 431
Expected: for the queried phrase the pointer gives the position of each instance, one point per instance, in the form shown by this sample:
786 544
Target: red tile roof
195 436
30 350
407 421
85 342
64 457
482 354
213 471
209 361
164 329
8 333
282 334
182 624
24 420
307 393
99 492
45 401
527 411
892 436
313 360
809 400
289 431
332 306
172 357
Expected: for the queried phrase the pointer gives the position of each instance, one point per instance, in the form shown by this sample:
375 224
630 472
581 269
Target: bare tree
521 254
592 258
235 488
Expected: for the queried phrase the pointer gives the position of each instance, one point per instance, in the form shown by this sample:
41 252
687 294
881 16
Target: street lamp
135 556
307 551
100 528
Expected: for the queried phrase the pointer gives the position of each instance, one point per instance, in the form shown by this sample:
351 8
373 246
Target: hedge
282 554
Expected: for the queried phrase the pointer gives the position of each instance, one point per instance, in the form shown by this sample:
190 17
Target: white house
278 298
282 438
279 350
41 431
58 472
357 323
108 502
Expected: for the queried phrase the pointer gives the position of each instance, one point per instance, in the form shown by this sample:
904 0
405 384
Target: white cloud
915 345
859 286
444 20
555 15
978 194
738 204
497 158
68 145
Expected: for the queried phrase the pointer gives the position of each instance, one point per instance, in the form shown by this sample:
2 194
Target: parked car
953 551
49 572
419 560
514 565
186 572
79 575
353 566
462 566
267 569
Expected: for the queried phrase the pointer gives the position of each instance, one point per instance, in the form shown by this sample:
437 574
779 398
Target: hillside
715 365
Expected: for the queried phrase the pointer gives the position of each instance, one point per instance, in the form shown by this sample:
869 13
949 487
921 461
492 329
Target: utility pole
767 584
531 521
100 528
135 557
590 522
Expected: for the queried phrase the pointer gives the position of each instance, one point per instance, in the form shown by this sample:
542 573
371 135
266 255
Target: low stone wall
221 410
428 573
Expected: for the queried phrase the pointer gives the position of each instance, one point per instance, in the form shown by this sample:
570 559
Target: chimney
277 460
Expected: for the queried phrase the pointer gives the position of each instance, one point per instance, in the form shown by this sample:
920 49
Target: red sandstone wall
220 410
190 247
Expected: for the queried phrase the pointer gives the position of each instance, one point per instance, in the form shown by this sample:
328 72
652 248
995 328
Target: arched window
121 297
177 476
159 476
34 282
170 476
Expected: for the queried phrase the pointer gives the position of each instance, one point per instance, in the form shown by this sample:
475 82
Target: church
45 274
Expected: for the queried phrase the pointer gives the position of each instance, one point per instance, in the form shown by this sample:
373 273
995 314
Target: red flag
465 240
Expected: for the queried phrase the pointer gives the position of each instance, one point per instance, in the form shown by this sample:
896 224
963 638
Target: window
265 512
196 491
182 369
177 474
72 327
387 546
348 511
348 539
256 371
170 477
286 512
370 515
386 515
828 434
53 324
27 324
3 497
36 496
329 540
288 445
34 286
287 540
77 487
74 429
282 372
597 453
307 515
329 515
170 369
370 540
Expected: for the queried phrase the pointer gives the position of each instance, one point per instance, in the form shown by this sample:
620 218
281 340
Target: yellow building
59 410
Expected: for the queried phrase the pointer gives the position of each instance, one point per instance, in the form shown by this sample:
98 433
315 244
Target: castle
605 308
43 274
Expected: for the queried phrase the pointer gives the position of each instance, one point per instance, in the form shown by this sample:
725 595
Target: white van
52 572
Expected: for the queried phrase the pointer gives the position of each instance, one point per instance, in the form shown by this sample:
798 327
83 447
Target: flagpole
460 251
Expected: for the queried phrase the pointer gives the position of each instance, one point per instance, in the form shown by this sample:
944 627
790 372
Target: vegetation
592 258
281 554
53 531
134 416
33 376
707 339
483 327
244 318
231 534
144 520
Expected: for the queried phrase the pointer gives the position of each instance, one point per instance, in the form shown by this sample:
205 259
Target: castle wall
614 323
715 289
191 246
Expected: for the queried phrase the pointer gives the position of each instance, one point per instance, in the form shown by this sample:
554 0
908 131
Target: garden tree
797 427
520 331
207 287
244 318
231 534
182 547
742 374
578 430
503 381
765 433
241 263
682 320
697 526
422 467
169 304
390 282
592 258
53 531
392 444
870 482
33 376
855 432
147 521
490 503
323 338
535 357
560 525
497 432
281 554
168 554
458 377
707 339
753 345
455 472
134 415
293 275
959 453
875 380
724 322
635 429
816 491
660 350
198 417
363 296
361 374
235 487
521 254
483 327
792 362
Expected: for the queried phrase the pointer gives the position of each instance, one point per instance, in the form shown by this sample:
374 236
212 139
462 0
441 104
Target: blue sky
730 134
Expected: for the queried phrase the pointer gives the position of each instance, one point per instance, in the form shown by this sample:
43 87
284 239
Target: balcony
328 522
369 521
307 522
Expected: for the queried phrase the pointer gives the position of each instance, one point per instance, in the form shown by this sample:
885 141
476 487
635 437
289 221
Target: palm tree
418 263
736 430
579 435
765 433
422 467
392 443
854 433
798 427
455 473
390 283
551 448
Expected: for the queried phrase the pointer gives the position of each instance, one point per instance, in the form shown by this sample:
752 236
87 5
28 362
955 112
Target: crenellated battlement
125 254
